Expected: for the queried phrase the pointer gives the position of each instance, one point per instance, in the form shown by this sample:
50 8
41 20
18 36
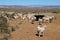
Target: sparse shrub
3 24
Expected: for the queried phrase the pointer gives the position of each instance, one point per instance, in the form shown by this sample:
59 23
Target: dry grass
27 31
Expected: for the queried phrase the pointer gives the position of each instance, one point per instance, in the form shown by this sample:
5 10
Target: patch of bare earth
27 31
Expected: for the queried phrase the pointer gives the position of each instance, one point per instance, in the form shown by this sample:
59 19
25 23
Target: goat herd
36 17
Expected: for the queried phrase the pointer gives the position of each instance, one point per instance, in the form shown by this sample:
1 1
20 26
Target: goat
41 29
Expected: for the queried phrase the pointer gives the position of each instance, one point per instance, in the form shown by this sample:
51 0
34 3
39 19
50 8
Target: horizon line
31 5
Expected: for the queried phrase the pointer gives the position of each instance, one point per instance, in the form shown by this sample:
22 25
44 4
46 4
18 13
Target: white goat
40 30
24 17
15 17
40 20
32 19
30 16
51 18
46 19
20 15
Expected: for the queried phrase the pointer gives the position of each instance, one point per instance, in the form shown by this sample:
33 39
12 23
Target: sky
29 2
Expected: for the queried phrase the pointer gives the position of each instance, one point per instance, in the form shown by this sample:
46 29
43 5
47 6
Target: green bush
3 24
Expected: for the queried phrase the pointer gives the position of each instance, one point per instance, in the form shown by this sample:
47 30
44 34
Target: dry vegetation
25 10
27 31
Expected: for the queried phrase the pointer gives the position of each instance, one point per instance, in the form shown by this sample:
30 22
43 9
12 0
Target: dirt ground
27 31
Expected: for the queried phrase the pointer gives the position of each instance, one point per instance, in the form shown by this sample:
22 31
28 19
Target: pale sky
29 2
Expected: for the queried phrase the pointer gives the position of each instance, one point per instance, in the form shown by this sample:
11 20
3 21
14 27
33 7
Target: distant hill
31 6
44 6
12 6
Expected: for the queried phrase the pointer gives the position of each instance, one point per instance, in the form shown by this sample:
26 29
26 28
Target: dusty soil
27 31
